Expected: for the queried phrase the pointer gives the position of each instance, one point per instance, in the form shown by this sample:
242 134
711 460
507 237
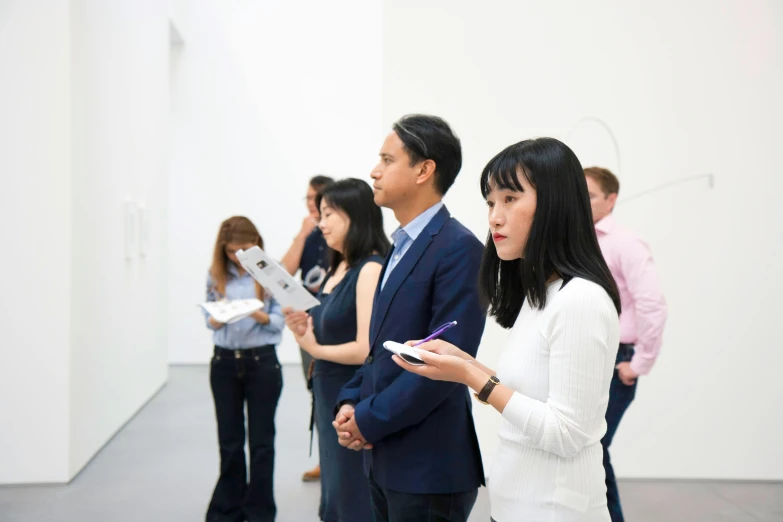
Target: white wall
84 99
120 70
263 99
35 234
687 88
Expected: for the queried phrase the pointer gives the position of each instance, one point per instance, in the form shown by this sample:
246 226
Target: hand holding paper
307 338
215 324
296 321
441 361
406 353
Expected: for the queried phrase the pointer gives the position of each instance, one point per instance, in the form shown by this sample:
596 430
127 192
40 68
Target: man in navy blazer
422 455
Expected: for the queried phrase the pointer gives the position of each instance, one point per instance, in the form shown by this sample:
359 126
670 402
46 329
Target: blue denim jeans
249 377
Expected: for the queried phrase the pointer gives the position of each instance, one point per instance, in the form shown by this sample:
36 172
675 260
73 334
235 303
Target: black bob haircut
365 233
562 236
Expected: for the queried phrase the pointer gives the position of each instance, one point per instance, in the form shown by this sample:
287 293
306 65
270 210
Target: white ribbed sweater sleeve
578 333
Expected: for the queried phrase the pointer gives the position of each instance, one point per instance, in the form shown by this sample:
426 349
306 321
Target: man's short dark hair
320 182
429 137
606 180
561 239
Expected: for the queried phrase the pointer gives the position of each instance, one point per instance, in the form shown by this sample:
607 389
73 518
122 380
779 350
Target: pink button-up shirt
644 308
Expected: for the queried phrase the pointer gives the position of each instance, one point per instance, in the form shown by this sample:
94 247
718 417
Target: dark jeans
620 397
251 376
393 506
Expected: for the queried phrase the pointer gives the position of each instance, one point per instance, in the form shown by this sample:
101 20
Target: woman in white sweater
544 277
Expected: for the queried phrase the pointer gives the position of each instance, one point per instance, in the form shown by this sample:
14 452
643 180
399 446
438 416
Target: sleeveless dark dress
345 494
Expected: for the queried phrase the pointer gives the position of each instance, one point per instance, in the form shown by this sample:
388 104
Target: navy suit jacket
422 431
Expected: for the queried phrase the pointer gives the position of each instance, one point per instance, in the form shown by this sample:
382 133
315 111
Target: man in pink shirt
643 310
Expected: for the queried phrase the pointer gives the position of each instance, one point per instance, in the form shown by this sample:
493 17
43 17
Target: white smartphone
405 352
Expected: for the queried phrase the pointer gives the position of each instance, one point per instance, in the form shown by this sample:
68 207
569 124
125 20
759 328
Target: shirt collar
605 225
414 229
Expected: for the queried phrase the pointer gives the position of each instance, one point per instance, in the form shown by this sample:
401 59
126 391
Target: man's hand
308 225
626 374
348 434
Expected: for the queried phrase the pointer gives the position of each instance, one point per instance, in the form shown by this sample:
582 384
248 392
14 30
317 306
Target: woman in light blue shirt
244 369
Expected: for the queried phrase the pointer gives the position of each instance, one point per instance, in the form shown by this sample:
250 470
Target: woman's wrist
475 377
215 324
314 349
467 357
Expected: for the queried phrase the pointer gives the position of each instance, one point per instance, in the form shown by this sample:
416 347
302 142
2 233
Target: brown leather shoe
312 475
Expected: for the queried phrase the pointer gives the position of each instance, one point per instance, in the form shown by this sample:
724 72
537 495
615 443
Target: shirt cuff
520 410
641 365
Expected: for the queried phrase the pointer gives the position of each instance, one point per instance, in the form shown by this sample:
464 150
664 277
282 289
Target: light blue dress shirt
404 237
247 332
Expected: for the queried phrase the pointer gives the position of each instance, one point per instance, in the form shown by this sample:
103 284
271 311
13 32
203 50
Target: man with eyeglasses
642 319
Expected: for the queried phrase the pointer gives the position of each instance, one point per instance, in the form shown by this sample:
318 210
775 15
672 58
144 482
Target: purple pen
437 332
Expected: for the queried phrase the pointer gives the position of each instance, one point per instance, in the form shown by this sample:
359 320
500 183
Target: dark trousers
251 376
620 397
393 506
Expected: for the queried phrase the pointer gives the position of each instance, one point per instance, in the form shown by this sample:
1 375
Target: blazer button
368 360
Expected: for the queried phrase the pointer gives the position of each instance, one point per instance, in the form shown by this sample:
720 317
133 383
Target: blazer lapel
374 324
383 298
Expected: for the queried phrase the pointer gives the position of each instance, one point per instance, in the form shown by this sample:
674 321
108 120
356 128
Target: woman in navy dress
337 335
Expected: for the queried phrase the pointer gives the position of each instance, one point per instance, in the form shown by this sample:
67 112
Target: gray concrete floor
163 464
